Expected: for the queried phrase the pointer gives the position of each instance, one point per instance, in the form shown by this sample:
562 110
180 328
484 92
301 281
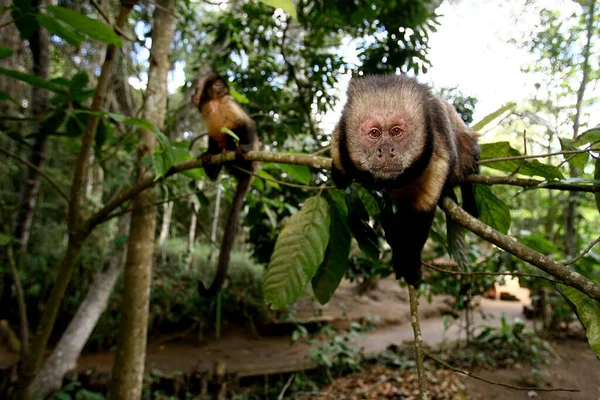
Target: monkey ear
341 179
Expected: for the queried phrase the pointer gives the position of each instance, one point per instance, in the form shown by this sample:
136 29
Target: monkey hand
340 178
211 170
409 269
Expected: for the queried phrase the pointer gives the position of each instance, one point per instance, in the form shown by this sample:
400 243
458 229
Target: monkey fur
395 136
220 110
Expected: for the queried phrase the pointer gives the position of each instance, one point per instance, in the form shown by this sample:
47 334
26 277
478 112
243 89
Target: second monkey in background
220 110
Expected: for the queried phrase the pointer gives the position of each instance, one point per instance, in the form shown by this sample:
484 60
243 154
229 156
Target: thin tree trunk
65 354
215 224
572 202
192 233
128 369
164 230
77 235
39 44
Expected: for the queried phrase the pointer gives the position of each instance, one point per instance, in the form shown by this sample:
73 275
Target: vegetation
99 174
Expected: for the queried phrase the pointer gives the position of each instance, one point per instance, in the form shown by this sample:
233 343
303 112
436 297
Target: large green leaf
494 115
530 167
576 160
33 80
300 173
60 29
299 250
333 268
286 5
91 27
165 153
492 210
588 312
358 220
182 154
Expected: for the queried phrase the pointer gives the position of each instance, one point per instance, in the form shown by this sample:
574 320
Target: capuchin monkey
396 137
220 110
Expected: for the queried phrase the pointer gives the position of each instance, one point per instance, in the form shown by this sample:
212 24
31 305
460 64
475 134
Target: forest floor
387 309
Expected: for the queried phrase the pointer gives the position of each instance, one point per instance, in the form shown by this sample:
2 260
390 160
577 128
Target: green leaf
181 154
230 133
525 167
5 239
332 270
5 52
300 173
33 80
299 250
60 29
158 164
492 210
238 96
491 117
576 160
589 136
268 179
539 244
23 13
597 177
286 5
588 312
166 152
369 201
91 27
358 220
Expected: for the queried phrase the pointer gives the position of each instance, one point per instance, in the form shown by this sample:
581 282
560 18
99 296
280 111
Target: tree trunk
573 199
215 224
39 44
65 354
128 369
192 233
164 230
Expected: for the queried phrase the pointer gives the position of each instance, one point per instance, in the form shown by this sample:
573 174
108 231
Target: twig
471 375
524 157
120 31
583 253
322 151
293 185
285 387
501 273
560 271
414 320
531 183
39 171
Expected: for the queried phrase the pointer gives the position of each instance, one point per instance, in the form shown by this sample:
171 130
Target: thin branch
22 307
284 183
39 171
531 183
322 151
560 271
414 320
479 378
286 386
524 157
501 273
120 31
583 253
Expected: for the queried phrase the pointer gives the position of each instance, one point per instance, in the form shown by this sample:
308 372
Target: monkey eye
374 133
396 131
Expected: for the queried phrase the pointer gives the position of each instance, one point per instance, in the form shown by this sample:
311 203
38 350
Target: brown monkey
395 135
220 110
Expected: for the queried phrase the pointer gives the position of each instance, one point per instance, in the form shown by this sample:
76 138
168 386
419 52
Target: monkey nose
384 150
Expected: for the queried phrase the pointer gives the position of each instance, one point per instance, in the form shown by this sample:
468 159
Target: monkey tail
228 238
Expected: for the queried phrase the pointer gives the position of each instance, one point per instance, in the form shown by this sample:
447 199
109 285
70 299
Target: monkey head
210 87
382 135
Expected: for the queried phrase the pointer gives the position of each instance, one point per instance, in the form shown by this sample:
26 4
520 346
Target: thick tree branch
563 273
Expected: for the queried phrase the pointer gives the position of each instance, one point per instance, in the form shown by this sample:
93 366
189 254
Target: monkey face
210 87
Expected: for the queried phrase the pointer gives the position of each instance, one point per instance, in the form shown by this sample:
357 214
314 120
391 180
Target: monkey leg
406 231
211 170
